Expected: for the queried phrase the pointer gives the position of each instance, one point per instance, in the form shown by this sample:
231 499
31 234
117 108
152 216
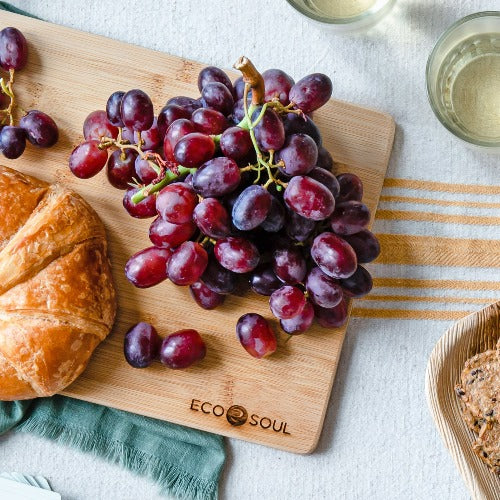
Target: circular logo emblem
236 415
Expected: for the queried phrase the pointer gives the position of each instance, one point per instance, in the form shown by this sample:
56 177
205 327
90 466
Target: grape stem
9 91
252 78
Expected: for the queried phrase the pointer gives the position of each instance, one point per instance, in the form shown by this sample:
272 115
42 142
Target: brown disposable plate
471 335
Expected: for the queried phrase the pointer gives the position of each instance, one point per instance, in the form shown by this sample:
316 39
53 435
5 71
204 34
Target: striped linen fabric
440 255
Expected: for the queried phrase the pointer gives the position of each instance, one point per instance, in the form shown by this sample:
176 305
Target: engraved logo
236 415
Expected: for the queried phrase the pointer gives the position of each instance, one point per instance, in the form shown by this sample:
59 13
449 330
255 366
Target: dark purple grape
299 155
194 149
41 130
182 349
168 115
167 235
239 88
187 263
141 345
209 121
263 281
204 297
309 198
211 74
187 103
351 188
300 323
323 290
148 267
113 108
295 124
86 160
349 217
277 84
311 92
275 219
150 138
95 126
137 110
13 49
299 228
218 278
255 335
235 143
287 302
327 179
251 208
177 130
216 177
217 96
237 254
289 265
176 202
238 111
212 218
269 132
333 255
121 168
334 317
365 244
358 284
142 210
12 142
145 172
325 160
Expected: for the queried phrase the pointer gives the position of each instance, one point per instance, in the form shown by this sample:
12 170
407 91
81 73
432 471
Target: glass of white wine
344 15
463 79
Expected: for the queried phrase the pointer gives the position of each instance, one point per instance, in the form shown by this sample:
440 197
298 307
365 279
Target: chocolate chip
485 455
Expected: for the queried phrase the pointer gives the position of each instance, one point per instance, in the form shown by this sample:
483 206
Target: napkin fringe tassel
169 478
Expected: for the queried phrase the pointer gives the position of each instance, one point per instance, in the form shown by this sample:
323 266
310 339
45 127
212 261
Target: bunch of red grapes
36 126
243 196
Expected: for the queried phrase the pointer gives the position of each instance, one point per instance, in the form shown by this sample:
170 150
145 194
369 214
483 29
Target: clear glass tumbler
344 16
463 80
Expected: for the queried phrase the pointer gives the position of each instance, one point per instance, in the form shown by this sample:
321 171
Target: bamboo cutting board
280 401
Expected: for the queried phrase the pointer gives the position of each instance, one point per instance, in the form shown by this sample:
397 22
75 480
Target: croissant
57 300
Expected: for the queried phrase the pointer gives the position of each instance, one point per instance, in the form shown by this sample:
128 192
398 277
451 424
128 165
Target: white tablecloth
379 441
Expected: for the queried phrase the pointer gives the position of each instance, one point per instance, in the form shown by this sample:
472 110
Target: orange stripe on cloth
440 186
437 217
444 203
443 284
437 251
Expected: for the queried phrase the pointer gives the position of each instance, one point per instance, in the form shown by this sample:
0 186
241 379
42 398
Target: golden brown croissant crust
57 300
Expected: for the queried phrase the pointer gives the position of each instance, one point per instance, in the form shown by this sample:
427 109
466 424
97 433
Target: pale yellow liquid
475 96
341 8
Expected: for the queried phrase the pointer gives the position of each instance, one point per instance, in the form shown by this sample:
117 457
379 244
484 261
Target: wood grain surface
70 74
469 336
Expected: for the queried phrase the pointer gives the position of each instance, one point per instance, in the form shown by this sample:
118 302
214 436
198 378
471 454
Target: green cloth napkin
184 462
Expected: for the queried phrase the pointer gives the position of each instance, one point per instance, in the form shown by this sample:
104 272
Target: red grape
211 74
255 335
175 132
204 297
269 132
235 143
113 108
323 290
299 154
168 115
327 179
365 244
289 265
251 207
349 217
358 284
334 317
277 84
311 92
167 235
41 130
142 210
237 254
13 49
86 160
150 138
217 96
12 141
216 177
136 110
194 149
212 218
176 202
333 255
183 348
209 121
309 198
97 125
144 171
351 188
287 302
187 263
148 267
121 168
300 323
295 124
187 103
142 345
